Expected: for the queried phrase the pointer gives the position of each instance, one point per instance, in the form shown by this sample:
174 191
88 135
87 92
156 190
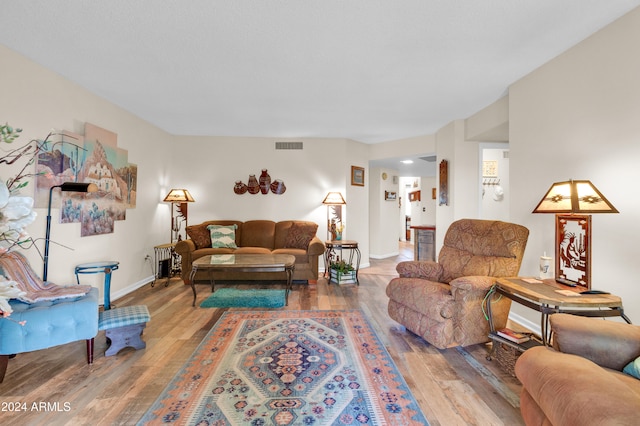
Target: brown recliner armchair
579 381
443 302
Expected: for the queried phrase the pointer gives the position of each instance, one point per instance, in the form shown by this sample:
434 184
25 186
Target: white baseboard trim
529 325
383 256
124 291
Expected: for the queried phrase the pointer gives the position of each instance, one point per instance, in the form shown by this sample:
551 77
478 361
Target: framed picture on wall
357 176
390 196
573 250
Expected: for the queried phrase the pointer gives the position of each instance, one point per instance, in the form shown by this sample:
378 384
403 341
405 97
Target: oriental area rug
288 368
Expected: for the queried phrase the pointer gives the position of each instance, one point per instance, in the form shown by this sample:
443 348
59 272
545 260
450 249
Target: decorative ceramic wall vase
265 181
253 186
262 184
240 187
277 187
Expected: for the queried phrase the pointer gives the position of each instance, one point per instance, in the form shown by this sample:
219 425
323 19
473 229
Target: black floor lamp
65 187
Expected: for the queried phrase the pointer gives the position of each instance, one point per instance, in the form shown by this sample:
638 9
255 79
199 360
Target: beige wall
577 117
38 100
574 117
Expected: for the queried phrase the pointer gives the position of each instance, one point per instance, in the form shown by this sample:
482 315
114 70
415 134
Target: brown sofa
255 236
443 302
580 380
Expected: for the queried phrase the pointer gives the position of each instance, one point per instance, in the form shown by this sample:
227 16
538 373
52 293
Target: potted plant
342 272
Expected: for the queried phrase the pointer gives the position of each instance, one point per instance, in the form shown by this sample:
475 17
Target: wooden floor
56 386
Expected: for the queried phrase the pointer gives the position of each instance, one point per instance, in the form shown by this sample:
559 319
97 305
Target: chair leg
4 361
90 351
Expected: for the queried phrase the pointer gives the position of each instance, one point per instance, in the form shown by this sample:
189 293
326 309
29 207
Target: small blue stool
123 327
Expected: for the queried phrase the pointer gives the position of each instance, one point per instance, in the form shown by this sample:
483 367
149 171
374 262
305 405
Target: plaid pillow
300 235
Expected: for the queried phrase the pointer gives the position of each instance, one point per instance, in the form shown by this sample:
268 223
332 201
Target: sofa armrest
571 390
607 343
425 269
185 246
316 247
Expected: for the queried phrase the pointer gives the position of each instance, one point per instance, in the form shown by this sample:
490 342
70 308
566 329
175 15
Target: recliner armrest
472 284
425 269
607 343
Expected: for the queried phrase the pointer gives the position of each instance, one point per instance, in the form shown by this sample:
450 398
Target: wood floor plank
451 387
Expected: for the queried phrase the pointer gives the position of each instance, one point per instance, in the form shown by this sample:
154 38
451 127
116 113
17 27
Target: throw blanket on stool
16 268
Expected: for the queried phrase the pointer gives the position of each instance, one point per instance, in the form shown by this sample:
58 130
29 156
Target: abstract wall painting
91 158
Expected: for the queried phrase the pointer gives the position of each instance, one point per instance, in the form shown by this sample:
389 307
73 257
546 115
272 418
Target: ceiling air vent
288 145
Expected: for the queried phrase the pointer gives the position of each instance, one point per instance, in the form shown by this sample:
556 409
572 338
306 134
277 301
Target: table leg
289 281
192 277
212 281
327 263
358 256
107 289
488 298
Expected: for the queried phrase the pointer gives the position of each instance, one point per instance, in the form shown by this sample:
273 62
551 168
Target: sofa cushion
300 235
252 250
200 235
258 233
223 236
301 255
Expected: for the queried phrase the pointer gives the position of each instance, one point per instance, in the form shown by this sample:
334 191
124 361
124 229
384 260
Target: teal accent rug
235 298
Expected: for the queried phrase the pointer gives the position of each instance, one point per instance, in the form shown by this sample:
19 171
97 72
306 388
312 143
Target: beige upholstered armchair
443 301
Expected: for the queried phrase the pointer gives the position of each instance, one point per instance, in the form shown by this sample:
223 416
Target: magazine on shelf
514 336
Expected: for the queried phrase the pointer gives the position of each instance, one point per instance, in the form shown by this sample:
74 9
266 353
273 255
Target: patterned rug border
401 408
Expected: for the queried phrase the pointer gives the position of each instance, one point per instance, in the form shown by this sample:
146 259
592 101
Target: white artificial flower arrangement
8 290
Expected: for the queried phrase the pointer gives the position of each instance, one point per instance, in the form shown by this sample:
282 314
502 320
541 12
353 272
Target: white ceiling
368 70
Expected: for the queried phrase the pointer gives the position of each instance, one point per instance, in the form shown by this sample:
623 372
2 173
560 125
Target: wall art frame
357 176
573 250
390 195
444 183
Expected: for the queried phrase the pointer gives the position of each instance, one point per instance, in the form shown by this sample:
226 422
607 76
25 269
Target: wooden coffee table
547 298
243 263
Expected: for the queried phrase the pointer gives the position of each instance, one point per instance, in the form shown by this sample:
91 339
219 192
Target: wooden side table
332 246
549 297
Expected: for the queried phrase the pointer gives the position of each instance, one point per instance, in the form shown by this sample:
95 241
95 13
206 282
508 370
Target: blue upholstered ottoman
123 327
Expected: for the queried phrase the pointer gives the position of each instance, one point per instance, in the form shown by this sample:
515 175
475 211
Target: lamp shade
334 198
179 196
574 196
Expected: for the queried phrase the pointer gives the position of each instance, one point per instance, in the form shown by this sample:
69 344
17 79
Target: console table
424 242
549 297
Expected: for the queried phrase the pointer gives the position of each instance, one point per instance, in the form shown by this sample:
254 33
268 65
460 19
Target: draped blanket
15 267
